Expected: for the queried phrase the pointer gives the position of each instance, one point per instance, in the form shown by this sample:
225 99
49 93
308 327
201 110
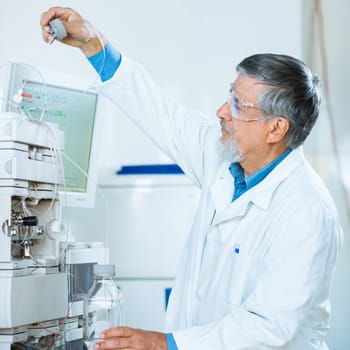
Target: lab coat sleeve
294 281
184 135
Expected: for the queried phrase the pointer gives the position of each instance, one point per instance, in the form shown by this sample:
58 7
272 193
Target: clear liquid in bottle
103 305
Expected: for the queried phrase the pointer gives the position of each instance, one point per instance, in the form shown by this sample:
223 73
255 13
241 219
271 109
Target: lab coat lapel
221 192
260 195
222 189
234 209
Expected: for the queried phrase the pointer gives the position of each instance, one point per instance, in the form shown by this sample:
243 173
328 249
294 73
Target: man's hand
131 339
80 32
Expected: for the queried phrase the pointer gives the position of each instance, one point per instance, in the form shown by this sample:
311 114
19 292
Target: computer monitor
76 111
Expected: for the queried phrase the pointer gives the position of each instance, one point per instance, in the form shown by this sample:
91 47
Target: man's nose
224 112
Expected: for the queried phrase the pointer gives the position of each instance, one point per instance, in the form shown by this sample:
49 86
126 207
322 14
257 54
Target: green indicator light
59 114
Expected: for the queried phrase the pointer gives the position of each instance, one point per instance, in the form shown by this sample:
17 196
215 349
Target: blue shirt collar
242 184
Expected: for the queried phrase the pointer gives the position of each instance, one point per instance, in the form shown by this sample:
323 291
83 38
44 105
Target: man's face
242 122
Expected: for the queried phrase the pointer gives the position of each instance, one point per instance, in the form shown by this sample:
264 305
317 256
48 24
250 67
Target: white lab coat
255 273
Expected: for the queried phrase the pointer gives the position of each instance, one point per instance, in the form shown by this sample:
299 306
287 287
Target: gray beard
228 150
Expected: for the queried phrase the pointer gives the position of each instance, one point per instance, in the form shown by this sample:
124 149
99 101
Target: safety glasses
238 107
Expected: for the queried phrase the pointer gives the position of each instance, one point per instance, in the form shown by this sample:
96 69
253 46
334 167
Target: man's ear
278 129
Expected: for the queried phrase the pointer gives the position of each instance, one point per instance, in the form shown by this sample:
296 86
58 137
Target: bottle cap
104 270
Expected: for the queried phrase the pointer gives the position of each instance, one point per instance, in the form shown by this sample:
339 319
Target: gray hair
292 92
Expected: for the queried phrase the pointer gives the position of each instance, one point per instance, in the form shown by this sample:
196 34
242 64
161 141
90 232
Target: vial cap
57 29
104 270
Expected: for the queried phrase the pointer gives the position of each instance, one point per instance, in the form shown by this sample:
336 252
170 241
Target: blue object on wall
167 292
150 169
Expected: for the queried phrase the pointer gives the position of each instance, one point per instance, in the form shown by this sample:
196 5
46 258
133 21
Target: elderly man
257 267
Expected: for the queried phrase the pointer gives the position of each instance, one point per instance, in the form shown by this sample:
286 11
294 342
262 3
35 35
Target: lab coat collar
260 195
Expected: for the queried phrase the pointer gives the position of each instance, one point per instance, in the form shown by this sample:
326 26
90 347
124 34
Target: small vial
103 305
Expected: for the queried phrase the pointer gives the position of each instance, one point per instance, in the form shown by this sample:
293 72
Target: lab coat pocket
243 276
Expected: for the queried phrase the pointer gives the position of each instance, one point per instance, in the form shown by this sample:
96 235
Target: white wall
191 47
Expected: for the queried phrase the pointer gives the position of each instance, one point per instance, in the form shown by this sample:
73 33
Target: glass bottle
103 305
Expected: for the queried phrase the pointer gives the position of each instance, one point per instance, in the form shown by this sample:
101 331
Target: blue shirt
106 62
242 184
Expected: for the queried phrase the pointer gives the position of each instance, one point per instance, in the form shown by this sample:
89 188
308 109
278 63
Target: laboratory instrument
44 272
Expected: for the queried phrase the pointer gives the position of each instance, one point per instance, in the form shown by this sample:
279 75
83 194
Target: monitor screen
75 112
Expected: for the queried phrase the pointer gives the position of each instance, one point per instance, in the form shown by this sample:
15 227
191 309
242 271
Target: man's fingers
47 17
56 12
117 332
116 338
114 343
131 339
